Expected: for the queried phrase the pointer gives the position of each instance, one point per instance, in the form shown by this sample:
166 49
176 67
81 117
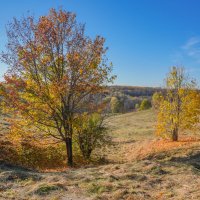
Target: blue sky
145 37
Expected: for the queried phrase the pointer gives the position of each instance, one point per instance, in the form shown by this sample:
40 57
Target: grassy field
137 165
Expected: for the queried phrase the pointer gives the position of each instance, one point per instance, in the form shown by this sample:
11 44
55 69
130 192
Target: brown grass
138 166
164 146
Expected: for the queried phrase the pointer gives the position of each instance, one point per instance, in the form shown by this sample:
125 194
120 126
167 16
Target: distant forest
136 91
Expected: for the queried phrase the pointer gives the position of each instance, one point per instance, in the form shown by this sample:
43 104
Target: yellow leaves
191 108
18 130
80 71
45 60
30 83
93 65
180 107
74 57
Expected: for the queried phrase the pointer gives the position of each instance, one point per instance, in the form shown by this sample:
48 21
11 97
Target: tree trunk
175 134
68 143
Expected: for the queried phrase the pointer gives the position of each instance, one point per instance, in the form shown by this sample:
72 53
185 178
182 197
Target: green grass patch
46 189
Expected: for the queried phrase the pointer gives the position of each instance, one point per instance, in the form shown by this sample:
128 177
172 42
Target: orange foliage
159 146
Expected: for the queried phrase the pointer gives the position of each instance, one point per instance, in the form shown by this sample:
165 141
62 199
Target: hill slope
139 167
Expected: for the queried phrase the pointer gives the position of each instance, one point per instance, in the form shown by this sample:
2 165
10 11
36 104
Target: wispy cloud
188 55
192 49
191 42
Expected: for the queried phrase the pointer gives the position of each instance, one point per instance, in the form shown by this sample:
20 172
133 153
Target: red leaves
15 81
10 92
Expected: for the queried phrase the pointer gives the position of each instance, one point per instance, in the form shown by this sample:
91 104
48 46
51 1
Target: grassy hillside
137 165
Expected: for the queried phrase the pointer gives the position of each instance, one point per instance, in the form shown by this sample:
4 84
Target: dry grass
157 147
139 167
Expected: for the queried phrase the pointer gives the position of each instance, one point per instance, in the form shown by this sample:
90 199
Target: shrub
42 156
115 105
32 154
91 133
146 104
137 106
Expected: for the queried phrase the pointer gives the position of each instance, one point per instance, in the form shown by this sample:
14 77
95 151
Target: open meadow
94 104
137 165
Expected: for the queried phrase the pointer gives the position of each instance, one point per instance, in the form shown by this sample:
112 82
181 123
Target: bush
32 155
137 106
39 156
146 104
91 133
115 105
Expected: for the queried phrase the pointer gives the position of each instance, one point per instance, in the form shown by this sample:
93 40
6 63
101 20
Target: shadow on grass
192 159
16 173
7 166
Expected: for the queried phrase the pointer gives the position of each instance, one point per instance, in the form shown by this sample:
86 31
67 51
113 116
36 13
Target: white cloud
192 49
191 42
188 55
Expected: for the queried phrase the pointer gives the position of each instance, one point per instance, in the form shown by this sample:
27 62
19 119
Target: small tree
115 105
137 106
145 104
179 109
91 133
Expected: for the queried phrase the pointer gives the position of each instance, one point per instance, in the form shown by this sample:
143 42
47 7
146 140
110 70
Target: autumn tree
53 68
115 105
180 107
145 104
137 106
